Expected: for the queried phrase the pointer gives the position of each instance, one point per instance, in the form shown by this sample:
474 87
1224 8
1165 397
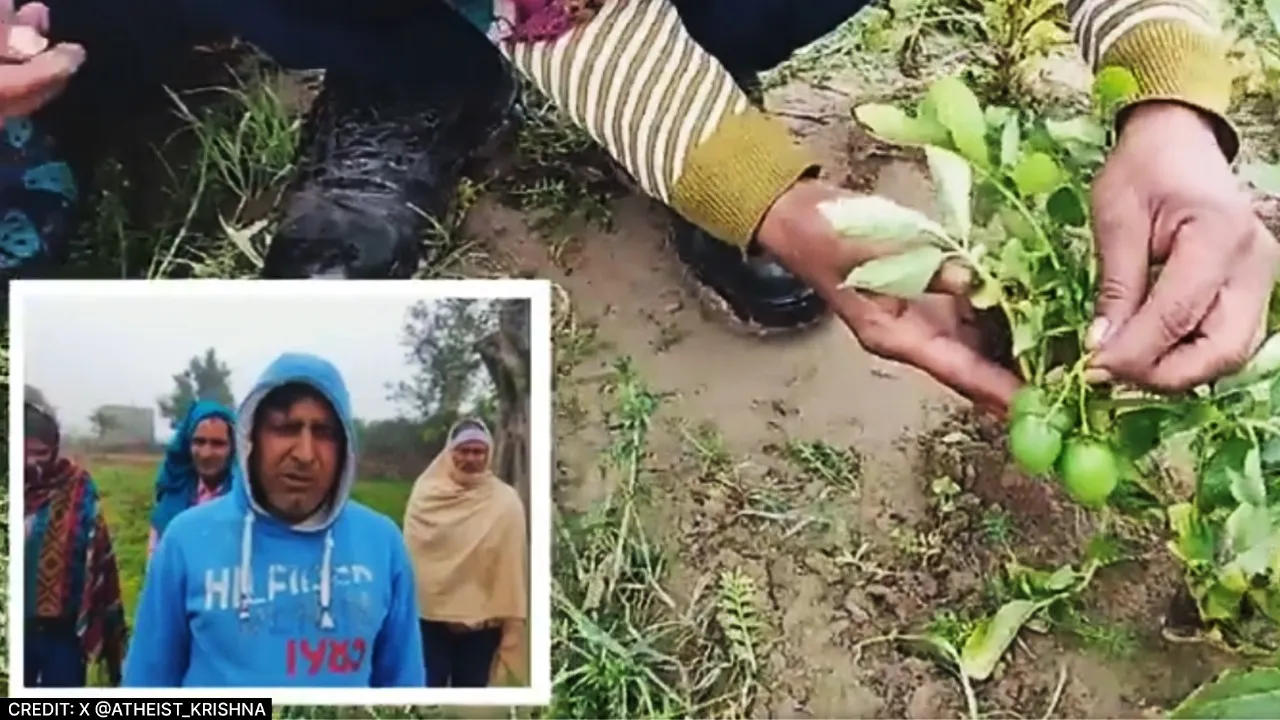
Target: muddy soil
836 566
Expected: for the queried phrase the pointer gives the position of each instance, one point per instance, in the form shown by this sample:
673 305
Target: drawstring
246 573
326 617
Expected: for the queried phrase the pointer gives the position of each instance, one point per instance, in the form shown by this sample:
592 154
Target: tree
505 353
102 422
448 375
204 379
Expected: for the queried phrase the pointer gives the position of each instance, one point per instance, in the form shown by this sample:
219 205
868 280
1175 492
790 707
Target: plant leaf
1010 137
987 295
954 181
1247 485
1263 364
1215 487
905 275
993 636
893 125
1247 526
1027 329
1273 12
1114 85
1082 129
870 217
1061 579
1036 173
1234 694
1065 206
1194 538
1138 432
960 113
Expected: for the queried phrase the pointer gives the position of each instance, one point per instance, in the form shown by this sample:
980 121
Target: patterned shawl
527 20
71 569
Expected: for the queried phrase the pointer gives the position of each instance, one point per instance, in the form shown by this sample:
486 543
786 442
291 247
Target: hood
176 481
324 377
321 375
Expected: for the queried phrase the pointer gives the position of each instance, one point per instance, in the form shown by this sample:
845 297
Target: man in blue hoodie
285 581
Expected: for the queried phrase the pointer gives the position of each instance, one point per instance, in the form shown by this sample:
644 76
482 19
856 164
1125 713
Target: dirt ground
843 576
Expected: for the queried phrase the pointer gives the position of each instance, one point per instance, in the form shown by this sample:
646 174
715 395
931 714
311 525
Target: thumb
1122 231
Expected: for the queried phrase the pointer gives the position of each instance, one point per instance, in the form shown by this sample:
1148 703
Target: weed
1114 640
818 460
997 526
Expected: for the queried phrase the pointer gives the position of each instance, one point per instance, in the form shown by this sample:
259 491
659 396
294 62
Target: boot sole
715 307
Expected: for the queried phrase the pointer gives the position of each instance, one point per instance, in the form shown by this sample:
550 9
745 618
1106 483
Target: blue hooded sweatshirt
235 597
176 481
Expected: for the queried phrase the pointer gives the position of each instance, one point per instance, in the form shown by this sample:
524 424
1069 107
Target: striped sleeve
1174 48
667 111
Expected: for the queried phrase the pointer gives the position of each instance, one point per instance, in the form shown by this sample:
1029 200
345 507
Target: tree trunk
506 356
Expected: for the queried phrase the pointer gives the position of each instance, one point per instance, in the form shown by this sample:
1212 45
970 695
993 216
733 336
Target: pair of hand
31 72
1166 195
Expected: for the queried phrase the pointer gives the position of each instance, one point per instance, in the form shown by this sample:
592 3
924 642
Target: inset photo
325 493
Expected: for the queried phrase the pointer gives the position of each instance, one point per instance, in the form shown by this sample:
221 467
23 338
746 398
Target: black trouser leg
437 653
473 657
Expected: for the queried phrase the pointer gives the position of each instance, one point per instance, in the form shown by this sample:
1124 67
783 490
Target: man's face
37 452
211 448
471 457
296 457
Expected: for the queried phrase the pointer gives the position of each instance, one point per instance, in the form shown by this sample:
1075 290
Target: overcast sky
125 350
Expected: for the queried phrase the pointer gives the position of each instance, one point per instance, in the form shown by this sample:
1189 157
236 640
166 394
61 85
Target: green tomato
1063 419
1034 443
1089 471
1029 400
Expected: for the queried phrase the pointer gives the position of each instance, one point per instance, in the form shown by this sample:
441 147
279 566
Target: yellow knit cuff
1174 62
732 179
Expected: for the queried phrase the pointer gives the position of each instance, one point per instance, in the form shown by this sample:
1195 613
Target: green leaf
1113 86
953 180
1066 207
1061 579
1138 432
993 636
906 275
1264 176
1036 173
1215 488
1014 262
1247 485
1264 363
1221 602
1194 538
1234 694
960 113
1271 451
1027 329
1083 130
997 115
986 295
891 124
1010 137
1247 526
873 218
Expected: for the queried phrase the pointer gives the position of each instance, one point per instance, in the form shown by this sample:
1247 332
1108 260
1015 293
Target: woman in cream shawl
465 532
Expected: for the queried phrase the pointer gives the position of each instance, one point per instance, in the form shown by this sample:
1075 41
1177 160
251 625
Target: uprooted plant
1012 190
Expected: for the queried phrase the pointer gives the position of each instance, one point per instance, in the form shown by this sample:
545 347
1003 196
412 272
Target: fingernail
25 42
1097 376
1097 333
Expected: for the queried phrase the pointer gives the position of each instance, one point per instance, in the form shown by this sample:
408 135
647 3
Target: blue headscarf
176 481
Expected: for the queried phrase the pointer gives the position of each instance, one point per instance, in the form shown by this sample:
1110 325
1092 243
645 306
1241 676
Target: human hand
936 333
1167 195
31 73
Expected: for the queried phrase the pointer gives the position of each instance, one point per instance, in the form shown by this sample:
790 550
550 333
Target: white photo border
537 292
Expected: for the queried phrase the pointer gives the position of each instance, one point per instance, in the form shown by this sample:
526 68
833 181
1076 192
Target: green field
128 492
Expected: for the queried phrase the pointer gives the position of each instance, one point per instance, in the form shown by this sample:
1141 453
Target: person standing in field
197 467
72 609
285 580
465 530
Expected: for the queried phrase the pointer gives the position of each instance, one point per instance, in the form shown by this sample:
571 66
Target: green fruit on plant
1089 471
1063 419
1029 400
1034 443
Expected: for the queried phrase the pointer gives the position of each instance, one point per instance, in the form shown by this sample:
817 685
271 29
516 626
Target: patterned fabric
37 197
70 565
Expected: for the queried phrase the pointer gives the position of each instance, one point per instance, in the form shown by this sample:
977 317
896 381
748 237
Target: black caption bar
140 707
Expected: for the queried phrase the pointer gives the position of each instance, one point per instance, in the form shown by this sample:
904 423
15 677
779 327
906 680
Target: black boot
376 166
759 291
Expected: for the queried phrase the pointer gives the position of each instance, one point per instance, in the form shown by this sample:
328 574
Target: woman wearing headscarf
197 465
465 532
71 605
